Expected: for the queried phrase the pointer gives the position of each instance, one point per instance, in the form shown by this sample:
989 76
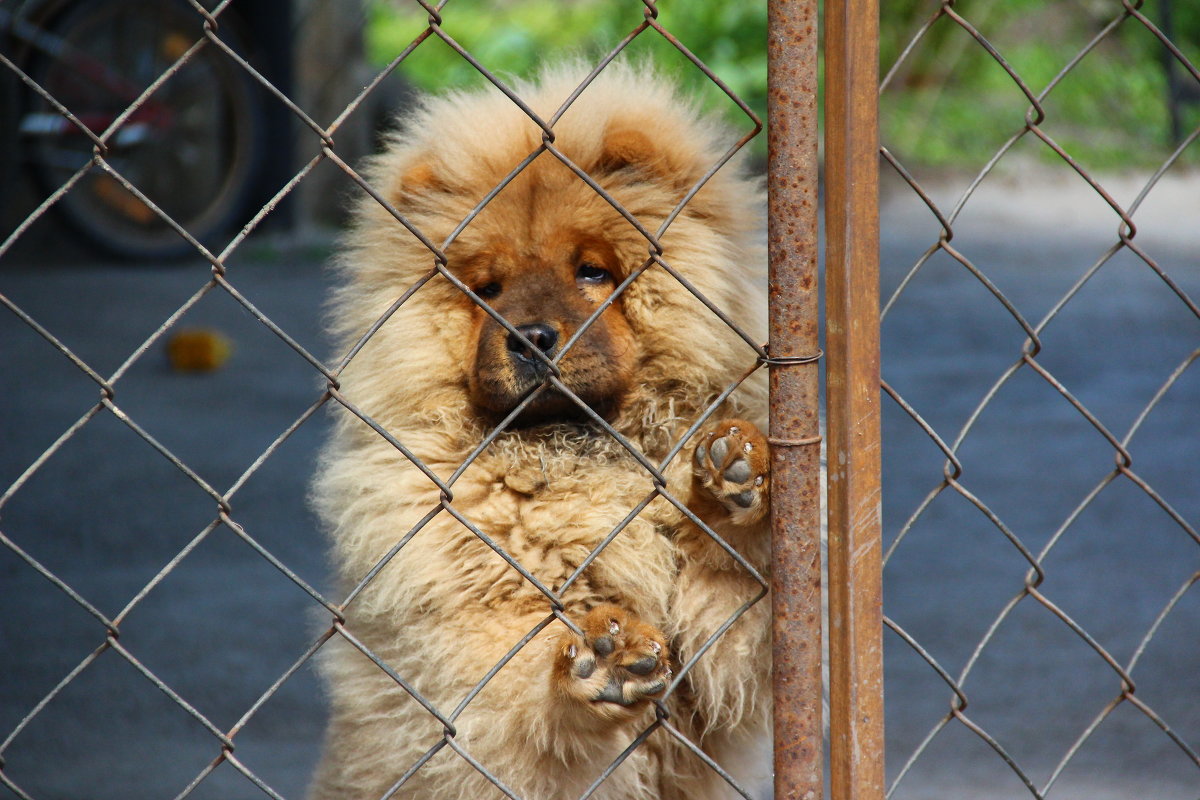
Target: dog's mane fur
547 494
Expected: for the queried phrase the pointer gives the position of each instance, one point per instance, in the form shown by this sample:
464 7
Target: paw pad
618 663
732 463
738 471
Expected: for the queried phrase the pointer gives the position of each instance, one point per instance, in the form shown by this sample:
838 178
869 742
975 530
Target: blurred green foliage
512 37
948 102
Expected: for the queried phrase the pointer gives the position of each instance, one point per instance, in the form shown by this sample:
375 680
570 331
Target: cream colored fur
446 608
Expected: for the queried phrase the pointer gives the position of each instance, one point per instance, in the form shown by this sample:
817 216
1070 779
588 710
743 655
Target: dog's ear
421 178
418 183
626 148
644 155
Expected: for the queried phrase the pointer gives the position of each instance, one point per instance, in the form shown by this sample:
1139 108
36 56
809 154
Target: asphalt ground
1030 459
107 511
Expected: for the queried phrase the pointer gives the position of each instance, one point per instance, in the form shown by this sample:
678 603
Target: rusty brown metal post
852 399
795 424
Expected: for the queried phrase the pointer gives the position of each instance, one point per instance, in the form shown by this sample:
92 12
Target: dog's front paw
616 667
733 463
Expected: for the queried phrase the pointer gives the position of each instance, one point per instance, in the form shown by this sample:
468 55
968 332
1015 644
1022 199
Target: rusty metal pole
795 424
852 399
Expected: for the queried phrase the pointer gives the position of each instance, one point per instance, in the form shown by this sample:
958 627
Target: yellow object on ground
198 349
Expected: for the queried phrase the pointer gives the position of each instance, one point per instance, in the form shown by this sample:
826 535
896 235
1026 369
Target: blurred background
136 385
948 105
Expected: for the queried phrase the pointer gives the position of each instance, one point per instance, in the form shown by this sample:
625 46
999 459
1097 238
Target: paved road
107 512
1031 459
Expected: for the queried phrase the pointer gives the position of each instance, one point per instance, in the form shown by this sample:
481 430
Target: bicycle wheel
194 148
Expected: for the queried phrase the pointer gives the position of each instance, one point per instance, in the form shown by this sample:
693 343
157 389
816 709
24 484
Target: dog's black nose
539 334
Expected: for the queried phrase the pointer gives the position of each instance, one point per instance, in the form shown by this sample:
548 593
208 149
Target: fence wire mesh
1048 588
1050 529
63 64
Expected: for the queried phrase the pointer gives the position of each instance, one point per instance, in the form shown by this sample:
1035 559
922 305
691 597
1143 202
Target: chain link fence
103 86
1039 351
1039 557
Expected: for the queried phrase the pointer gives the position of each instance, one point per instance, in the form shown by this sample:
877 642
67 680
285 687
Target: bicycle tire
195 148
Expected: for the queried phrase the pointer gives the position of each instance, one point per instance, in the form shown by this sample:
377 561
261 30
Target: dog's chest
607 521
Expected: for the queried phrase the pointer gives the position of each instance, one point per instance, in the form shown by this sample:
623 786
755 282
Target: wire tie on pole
777 442
790 361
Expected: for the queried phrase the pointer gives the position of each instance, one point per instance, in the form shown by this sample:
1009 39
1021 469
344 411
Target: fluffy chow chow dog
441 607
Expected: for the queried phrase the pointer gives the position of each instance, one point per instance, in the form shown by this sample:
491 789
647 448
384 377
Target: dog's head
547 253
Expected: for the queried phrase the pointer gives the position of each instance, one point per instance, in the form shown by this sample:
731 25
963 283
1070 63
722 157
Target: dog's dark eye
592 274
488 291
